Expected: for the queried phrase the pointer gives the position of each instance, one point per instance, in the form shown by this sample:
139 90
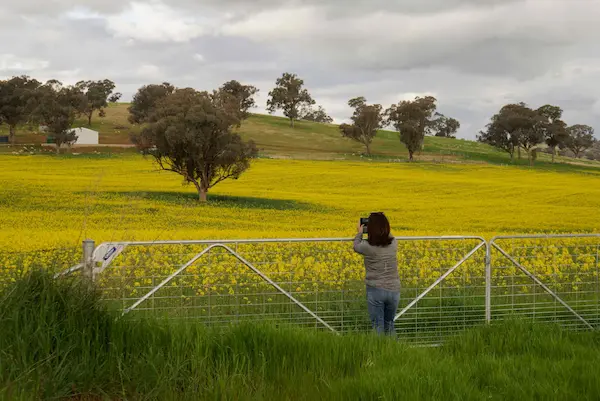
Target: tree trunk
57 148
410 156
368 145
202 192
512 156
530 158
519 150
553 153
292 122
90 118
11 134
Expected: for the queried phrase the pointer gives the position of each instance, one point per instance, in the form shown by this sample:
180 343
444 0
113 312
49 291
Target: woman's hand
360 228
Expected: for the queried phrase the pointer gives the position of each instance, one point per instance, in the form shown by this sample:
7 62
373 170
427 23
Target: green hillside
307 140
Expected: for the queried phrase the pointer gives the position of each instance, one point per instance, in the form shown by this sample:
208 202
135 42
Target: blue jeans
382 305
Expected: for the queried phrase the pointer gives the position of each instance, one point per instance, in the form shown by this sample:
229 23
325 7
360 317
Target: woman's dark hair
378 230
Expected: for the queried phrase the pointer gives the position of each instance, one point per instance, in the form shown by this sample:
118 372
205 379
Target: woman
381 263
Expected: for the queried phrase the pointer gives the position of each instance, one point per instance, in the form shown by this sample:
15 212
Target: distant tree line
24 100
192 133
413 119
518 127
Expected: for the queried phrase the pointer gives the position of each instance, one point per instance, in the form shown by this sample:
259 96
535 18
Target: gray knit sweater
381 264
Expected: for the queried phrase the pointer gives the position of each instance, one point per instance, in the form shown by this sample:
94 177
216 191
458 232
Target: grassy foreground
57 341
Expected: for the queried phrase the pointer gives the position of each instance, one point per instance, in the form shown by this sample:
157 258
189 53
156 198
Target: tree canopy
507 127
366 120
413 120
145 100
190 133
244 94
518 126
318 115
16 95
580 139
446 126
57 106
289 96
98 95
553 127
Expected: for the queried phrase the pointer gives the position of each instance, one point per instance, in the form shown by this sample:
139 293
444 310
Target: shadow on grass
191 199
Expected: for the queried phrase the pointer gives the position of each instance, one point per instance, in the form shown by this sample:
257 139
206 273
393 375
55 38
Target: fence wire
327 277
567 266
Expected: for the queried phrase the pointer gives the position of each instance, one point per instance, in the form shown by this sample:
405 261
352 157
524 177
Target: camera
364 221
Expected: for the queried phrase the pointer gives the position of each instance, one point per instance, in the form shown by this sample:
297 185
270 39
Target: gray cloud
342 7
474 55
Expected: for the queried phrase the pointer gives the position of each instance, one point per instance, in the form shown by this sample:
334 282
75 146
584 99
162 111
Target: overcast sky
473 55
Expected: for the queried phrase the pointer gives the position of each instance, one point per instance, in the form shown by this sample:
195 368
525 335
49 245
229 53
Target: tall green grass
58 341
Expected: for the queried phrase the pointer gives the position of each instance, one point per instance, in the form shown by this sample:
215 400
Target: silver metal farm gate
448 283
547 278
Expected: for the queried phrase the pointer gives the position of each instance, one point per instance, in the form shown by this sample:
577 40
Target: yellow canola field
50 202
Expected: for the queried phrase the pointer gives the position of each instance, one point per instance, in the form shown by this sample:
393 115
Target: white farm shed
86 136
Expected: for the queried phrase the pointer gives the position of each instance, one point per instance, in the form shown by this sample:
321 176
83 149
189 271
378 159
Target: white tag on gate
106 253
112 253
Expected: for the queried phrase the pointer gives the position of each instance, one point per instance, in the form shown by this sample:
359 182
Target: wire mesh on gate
324 275
319 282
547 278
453 303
